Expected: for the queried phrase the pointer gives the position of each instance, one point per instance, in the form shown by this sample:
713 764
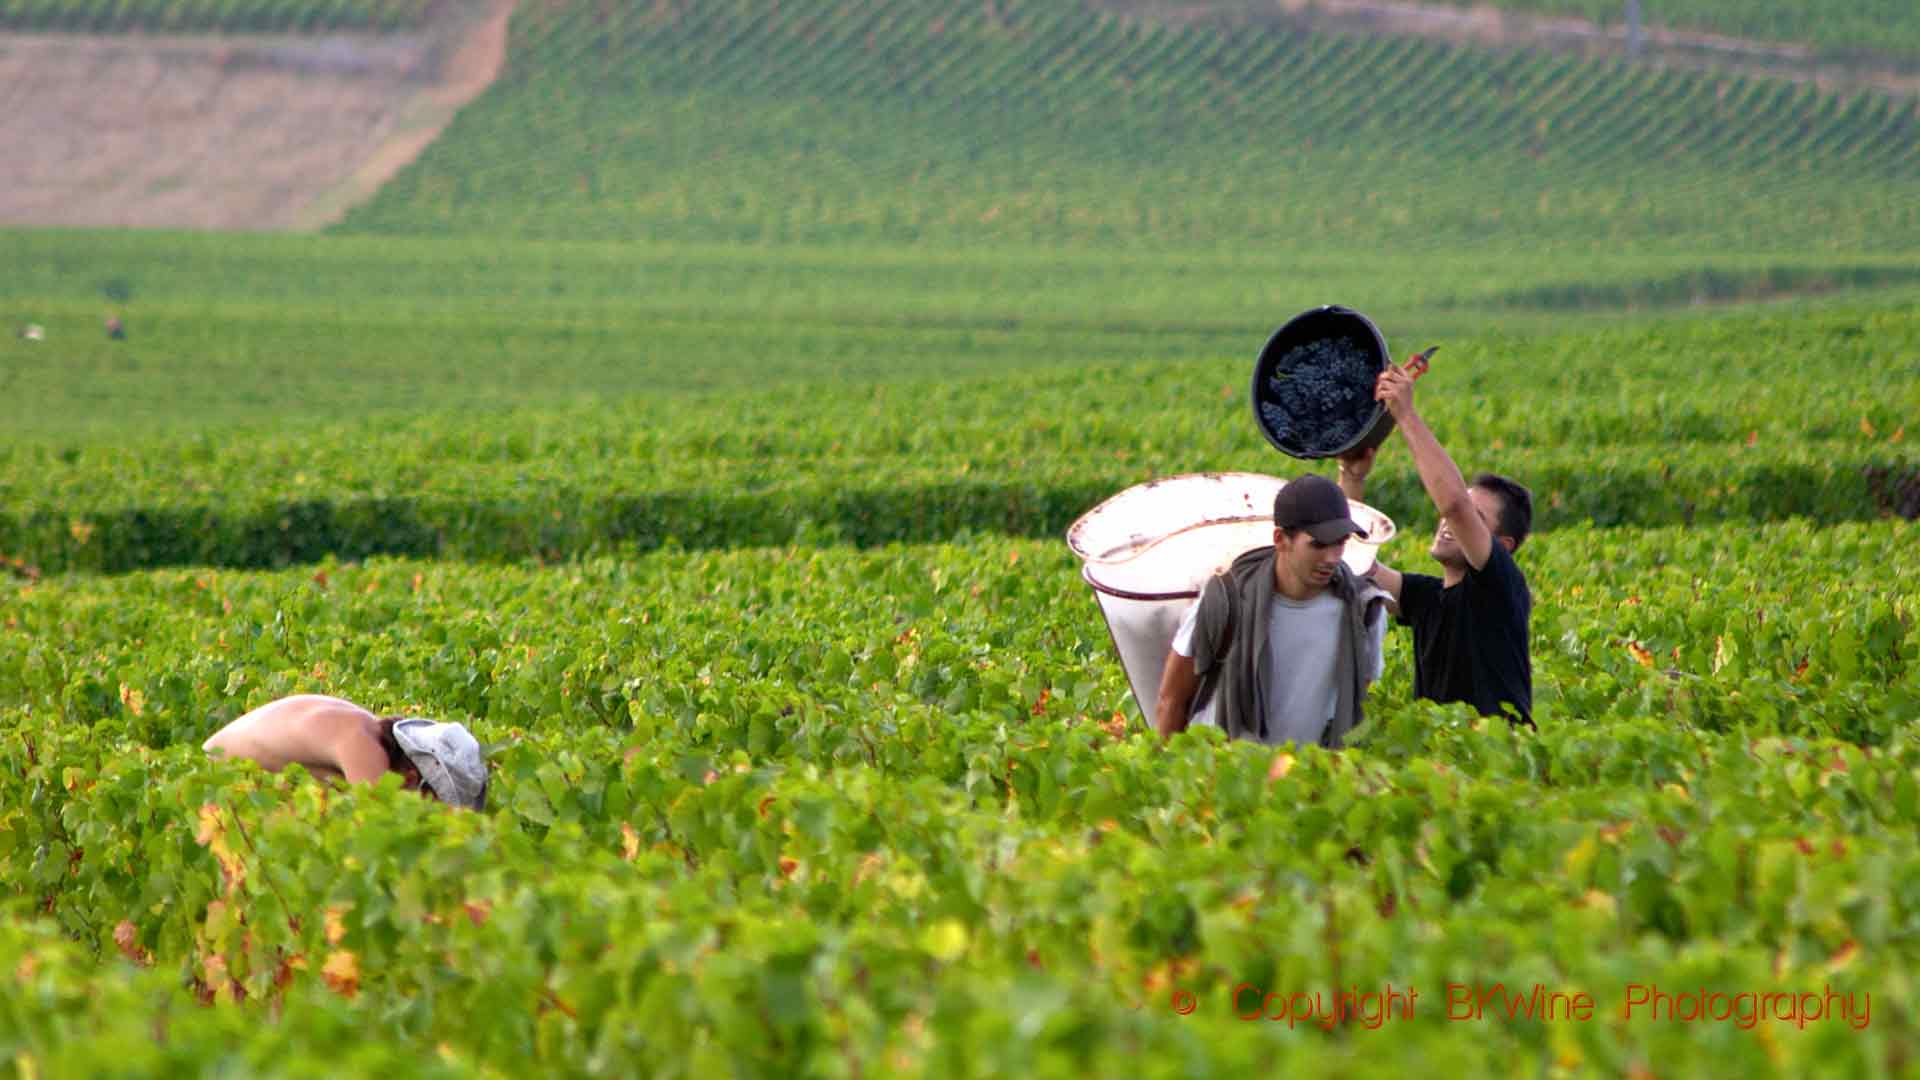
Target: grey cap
449 760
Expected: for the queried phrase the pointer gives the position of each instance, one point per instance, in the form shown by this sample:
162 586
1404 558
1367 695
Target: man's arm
1178 680
1376 624
1355 465
1389 581
1438 474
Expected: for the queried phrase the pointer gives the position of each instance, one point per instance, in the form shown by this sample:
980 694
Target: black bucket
1313 384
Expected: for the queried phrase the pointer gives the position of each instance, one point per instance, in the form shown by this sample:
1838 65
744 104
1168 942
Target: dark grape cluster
1319 395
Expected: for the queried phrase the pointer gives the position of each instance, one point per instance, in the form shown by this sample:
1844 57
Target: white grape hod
1147 551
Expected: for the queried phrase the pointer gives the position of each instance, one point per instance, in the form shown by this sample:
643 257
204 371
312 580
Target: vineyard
1885 27
904 122
221 16
852 810
1878 28
1722 422
811 753
699 421
239 333
1869 26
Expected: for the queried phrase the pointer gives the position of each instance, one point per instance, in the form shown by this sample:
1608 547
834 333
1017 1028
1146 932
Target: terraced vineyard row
1742 419
1881 29
1866 26
900 119
222 16
228 333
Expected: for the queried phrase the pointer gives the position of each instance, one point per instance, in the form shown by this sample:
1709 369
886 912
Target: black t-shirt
1470 641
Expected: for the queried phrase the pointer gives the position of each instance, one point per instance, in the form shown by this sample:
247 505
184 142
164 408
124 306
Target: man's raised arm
1438 474
1355 465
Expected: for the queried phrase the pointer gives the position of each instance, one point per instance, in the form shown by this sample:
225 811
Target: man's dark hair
1516 506
397 758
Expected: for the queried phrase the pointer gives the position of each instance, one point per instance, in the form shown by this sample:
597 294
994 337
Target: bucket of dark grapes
1313 384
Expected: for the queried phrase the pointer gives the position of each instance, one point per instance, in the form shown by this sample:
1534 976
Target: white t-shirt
1302 637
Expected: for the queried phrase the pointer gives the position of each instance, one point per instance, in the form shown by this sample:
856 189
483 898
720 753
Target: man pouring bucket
1284 644
1471 624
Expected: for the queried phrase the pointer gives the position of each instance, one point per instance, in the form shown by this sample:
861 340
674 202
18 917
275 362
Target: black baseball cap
1316 504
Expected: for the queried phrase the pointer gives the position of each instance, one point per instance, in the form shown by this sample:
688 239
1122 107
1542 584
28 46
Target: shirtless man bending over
333 737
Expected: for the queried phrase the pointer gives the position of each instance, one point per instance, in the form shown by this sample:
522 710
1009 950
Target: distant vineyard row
910 120
559 519
225 16
1877 26
1754 419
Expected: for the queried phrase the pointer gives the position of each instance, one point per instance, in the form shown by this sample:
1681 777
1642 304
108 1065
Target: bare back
330 736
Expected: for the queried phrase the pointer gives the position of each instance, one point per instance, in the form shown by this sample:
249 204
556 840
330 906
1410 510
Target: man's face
1446 549
1306 559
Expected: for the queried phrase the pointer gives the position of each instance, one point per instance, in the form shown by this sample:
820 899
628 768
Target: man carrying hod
1281 646
1470 625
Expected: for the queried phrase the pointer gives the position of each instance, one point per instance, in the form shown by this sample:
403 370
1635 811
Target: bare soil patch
229 132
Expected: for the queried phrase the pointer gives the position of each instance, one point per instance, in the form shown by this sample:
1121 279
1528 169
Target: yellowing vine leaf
209 826
212 834
126 939
336 926
342 973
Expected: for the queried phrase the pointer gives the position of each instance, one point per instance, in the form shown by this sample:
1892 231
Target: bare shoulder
303 728
316 703
316 709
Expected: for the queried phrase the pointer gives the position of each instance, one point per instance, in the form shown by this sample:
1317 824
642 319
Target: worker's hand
1394 389
1356 464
